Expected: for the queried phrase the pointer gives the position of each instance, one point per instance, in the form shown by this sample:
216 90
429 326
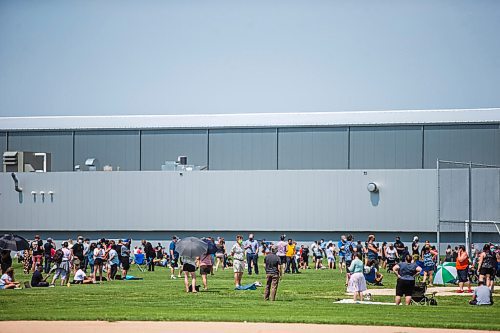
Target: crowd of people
363 262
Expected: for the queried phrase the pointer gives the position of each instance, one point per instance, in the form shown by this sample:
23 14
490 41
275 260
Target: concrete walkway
205 327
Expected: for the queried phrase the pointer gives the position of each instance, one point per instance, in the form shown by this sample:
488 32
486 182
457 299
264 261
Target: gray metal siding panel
3 142
312 148
242 149
476 143
115 148
388 147
59 144
166 145
280 201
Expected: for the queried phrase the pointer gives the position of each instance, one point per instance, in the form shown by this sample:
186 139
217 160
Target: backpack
489 261
58 256
212 249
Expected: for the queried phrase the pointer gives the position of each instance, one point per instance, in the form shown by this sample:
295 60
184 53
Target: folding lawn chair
140 261
420 295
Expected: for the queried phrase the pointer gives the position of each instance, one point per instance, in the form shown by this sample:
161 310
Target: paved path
205 327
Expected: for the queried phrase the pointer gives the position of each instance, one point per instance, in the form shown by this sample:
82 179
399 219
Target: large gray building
304 174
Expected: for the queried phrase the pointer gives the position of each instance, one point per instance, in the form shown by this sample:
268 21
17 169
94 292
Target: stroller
421 297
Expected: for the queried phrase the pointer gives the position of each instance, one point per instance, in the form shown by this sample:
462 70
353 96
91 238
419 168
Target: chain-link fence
469 199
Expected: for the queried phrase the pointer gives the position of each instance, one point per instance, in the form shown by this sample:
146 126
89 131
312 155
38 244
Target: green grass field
303 298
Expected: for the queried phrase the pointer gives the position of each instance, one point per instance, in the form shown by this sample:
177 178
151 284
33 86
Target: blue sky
177 57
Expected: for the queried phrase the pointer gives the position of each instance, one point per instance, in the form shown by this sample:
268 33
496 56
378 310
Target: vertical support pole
438 227
469 226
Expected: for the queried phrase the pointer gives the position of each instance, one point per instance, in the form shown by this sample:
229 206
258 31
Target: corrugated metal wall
382 147
3 142
302 200
116 148
59 144
476 143
394 147
313 148
166 145
242 149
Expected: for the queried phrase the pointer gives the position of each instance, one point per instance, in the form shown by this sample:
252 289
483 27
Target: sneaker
52 286
173 277
470 291
459 291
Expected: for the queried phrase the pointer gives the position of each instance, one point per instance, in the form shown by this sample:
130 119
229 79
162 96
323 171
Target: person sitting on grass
7 280
81 278
37 279
373 276
406 271
482 295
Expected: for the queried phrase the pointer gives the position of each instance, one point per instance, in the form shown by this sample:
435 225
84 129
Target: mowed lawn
302 298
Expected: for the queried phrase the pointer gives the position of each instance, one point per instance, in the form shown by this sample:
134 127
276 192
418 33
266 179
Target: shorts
405 287
188 268
219 255
463 274
205 270
61 272
341 258
282 259
125 263
331 259
2 286
238 266
487 271
98 261
173 263
318 257
37 258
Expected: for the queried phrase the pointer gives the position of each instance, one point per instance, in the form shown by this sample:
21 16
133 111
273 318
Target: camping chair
421 297
140 261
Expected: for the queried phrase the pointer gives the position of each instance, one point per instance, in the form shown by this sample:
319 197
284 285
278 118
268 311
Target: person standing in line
37 252
400 247
273 274
125 257
429 265
341 246
291 265
406 271
150 255
372 250
77 254
206 265
47 253
174 258
415 248
357 282
252 251
98 261
113 262
238 254
330 255
487 266
349 249
62 259
86 249
220 253
281 253
462 265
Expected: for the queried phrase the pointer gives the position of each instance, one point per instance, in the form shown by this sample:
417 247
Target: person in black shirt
150 255
400 247
77 251
5 260
37 279
414 248
47 250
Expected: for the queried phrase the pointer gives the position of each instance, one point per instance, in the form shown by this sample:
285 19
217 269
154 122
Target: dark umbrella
191 247
13 243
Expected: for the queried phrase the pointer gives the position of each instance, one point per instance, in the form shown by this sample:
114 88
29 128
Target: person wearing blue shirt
251 247
341 246
174 257
349 248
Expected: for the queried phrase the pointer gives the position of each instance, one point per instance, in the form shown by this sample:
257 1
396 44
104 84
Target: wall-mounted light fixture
372 187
